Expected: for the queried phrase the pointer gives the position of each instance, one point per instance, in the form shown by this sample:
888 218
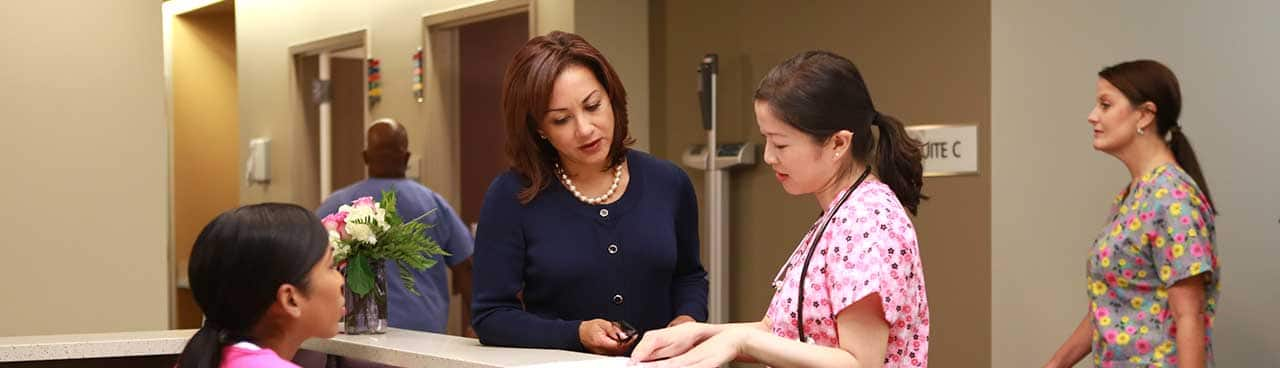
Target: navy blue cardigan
635 259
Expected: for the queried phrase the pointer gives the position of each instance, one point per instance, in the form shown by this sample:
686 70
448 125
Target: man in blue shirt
387 155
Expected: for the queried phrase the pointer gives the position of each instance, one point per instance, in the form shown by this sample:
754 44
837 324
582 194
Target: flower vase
367 314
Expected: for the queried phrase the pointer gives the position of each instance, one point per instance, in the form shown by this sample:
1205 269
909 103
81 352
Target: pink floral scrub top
869 247
1161 234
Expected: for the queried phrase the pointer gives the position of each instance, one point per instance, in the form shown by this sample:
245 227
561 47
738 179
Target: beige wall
85 160
1053 190
620 29
945 82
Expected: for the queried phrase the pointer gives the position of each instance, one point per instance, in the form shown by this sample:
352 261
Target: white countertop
397 347
103 345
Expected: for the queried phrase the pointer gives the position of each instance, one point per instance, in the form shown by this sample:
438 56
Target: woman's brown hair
526 95
1143 81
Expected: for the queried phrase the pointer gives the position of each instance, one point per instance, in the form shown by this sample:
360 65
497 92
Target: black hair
238 263
822 93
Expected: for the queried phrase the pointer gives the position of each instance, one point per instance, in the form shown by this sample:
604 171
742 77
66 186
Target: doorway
205 133
467 51
330 75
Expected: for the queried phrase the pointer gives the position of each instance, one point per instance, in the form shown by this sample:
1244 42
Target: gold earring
1140 132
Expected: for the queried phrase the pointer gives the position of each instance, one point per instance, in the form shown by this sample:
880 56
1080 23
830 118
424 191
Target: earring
1140 132
542 136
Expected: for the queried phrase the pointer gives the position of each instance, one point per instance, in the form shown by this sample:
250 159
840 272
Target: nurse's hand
714 352
670 341
602 337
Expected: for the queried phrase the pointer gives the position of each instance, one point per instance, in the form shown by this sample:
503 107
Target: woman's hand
603 337
670 341
722 348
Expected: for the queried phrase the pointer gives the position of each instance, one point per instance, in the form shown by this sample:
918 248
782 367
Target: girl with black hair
264 276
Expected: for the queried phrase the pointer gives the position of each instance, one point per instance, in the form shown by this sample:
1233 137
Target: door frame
170 11
441 104
322 48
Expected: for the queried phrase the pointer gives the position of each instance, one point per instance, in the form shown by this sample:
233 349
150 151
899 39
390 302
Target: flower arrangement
366 232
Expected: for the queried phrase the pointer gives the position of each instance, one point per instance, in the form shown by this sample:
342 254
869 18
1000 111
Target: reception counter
397 347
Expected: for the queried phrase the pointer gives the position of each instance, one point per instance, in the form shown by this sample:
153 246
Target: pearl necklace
617 177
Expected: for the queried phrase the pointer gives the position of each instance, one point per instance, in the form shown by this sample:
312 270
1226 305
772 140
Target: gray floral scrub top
1160 234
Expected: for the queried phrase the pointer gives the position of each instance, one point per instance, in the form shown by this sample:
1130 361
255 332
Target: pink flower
1179 194
1101 312
1128 274
1105 252
1180 237
1186 221
1111 278
1111 336
1143 346
1173 359
1130 330
363 202
1197 250
336 221
1142 315
1148 216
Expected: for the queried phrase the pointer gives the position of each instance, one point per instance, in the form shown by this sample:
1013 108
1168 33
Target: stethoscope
813 245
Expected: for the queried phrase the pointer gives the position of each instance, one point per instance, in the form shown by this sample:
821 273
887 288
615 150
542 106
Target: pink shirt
869 247
247 355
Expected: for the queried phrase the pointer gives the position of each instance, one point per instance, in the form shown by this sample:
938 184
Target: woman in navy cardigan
582 234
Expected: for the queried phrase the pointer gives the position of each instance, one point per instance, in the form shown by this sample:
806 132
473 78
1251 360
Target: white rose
359 214
334 237
361 232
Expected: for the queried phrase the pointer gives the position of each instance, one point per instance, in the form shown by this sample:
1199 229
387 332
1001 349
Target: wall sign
948 149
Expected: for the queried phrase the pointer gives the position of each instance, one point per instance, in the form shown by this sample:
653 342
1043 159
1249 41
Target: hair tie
875 118
1177 128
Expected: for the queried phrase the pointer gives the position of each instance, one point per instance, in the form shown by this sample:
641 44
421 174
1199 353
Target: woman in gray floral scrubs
1153 272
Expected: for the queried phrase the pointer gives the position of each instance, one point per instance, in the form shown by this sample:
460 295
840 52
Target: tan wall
620 29
85 160
205 133
946 81
1053 190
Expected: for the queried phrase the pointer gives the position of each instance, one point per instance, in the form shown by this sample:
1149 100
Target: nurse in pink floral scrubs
1152 277
852 294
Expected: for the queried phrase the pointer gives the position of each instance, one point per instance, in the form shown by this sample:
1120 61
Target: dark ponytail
899 161
821 94
1186 158
1143 81
238 263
